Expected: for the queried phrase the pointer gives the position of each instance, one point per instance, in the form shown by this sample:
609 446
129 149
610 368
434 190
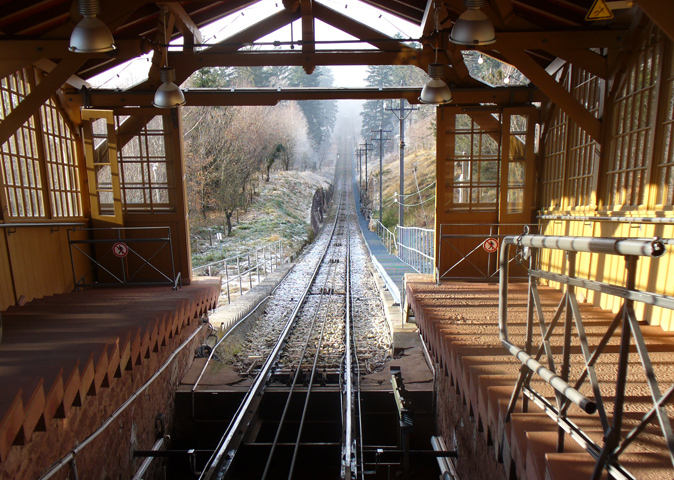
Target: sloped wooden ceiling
135 22
536 36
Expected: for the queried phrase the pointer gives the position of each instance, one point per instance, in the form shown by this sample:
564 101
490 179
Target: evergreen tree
321 115
374 111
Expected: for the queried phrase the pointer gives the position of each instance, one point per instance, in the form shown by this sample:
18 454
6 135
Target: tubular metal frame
615 441
266 259
127 277
388 238
415 247
487 272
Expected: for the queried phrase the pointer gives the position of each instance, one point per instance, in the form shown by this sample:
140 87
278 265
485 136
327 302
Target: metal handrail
589 218
255 263
42 224
388 238
415 247
615 441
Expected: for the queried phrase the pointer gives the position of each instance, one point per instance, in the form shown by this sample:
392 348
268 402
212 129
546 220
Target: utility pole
381 141
401 115
366 148
359 152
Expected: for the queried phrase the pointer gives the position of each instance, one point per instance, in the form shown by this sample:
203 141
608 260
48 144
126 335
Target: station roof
137 26
536 37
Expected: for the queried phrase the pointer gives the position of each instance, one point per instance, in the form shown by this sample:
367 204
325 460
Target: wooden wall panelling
181 234
7 295
442 139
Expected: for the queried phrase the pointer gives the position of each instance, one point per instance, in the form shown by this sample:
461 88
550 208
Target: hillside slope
280 211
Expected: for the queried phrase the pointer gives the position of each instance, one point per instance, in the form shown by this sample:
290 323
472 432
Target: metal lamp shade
91 36
473 28
168 94
435 92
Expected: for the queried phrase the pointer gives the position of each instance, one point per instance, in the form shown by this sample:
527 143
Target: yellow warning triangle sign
599 11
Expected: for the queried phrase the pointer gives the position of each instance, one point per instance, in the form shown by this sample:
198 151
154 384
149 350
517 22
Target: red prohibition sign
490 245
120 249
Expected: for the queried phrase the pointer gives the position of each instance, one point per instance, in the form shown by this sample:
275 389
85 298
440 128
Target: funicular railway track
311 370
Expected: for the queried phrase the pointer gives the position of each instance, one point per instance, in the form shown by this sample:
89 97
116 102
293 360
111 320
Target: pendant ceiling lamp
168 95
473 27
436 91
91 35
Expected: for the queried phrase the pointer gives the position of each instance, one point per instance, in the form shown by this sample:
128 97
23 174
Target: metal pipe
70 456
611 246
555 381
447 470
585 218
552 378
42 224
148 460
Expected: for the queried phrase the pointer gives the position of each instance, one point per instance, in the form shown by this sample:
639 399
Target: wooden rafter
166 23
542 10
401 9
428 21
586 59
40 94
555 92
558 39
503 11
185 24
661 14
308 32
271 96
357 29
185 66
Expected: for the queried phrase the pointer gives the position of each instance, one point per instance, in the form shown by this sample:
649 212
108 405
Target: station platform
389 266
476 377
60 355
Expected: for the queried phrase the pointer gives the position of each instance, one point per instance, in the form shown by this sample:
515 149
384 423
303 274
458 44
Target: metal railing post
238 274
250 273
257 265
229 298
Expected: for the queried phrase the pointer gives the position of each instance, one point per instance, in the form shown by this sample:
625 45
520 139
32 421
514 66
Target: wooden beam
555 92
40 94
16 54
308 32
544 11
400 9
186 65
357 29
503 11
505 96
661 13
588 60
557 39
428 22
185 24
165 24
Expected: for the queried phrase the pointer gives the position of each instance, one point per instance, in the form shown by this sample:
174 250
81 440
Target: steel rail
347 461
319 344
298 370
224 453
226 335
